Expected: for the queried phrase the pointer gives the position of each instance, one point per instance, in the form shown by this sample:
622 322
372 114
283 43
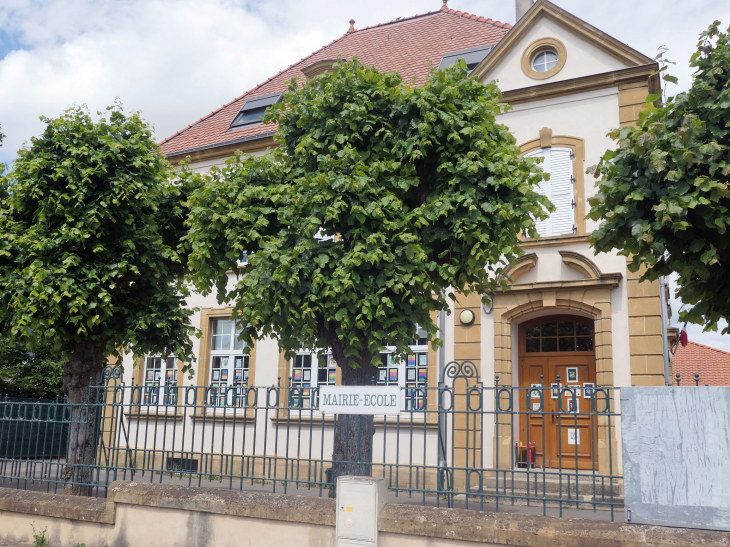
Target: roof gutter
221 144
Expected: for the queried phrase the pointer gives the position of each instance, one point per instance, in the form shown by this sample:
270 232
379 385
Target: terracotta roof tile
713 365
410 45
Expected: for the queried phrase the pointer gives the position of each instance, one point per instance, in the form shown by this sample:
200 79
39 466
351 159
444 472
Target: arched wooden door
558 352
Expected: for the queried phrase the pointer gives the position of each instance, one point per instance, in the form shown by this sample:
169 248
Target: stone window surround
538 46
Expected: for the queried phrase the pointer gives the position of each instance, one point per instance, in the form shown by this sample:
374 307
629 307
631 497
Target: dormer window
472 57
253 110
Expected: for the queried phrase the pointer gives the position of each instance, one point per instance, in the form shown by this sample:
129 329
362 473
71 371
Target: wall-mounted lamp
467 317
488 307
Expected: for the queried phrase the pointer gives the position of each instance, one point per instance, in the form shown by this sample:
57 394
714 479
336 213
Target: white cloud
177 60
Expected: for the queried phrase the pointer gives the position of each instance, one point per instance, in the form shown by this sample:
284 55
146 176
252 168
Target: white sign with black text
369 400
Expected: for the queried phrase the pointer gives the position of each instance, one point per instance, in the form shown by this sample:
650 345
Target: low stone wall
155 515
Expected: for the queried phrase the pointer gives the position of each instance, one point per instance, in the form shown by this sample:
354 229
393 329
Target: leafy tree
35 374
664 195
380 201
90 259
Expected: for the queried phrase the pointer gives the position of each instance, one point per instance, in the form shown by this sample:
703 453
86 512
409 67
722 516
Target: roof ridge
444 9
476 17
250 90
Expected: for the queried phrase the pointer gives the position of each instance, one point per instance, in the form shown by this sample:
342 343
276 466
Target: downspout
441 420
665 342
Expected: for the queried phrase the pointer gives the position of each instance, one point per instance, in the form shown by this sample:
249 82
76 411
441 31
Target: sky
178 60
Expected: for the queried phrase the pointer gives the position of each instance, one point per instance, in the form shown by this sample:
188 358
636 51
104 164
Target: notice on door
574 436
369 400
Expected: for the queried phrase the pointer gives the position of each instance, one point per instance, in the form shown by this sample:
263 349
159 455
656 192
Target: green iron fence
458 444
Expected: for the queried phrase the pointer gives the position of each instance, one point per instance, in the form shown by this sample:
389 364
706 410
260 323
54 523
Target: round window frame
538 46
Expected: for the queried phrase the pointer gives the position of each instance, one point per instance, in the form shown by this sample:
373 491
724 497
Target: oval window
544 60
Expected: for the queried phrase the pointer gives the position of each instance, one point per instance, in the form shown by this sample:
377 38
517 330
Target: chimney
522 7
352 26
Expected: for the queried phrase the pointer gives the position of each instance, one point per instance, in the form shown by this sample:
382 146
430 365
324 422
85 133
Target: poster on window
224 375
331 376
535 393
411 361
216 375
411 374
307 375
382 375
297 375
573 406
421 359
554 391
422 374
588 390
393 375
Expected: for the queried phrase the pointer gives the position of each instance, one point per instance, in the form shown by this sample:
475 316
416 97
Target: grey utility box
359 502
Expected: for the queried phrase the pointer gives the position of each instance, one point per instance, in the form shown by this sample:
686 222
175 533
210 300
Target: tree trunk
82 370
353 450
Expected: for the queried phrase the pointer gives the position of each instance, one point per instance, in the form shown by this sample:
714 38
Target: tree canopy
35 374
378 199
664 193
90 259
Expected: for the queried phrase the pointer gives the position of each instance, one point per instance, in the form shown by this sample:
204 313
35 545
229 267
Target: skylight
253 110
472 56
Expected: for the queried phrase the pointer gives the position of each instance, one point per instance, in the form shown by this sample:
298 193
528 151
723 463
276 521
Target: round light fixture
467 317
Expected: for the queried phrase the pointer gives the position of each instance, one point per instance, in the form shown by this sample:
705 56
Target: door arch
558 352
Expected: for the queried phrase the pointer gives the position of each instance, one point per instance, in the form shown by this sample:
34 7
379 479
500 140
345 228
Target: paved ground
583 510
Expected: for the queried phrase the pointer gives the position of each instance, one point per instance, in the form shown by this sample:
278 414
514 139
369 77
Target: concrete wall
149 515
676 462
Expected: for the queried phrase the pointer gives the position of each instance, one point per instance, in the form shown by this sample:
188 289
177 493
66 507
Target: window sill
157 414
555 240
232 415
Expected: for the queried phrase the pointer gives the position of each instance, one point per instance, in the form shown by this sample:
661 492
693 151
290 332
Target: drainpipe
522 7
665 342
441 421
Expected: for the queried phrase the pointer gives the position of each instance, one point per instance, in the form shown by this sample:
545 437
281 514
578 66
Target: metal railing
460 444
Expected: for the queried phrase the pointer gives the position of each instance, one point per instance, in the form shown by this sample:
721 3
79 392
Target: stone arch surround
511 307
519 304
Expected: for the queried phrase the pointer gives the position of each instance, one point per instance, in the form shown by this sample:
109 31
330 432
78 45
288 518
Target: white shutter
561 173
543 226
559 190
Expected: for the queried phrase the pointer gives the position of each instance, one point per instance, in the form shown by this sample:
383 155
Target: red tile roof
410 45
713 365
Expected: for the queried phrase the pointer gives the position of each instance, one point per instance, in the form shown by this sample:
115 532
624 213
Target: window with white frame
228 364
159 372
411 374
311 369
558 189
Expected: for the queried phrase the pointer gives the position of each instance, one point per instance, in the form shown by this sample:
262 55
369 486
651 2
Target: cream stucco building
569 313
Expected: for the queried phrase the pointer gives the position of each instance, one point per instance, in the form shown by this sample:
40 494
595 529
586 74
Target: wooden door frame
553 431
